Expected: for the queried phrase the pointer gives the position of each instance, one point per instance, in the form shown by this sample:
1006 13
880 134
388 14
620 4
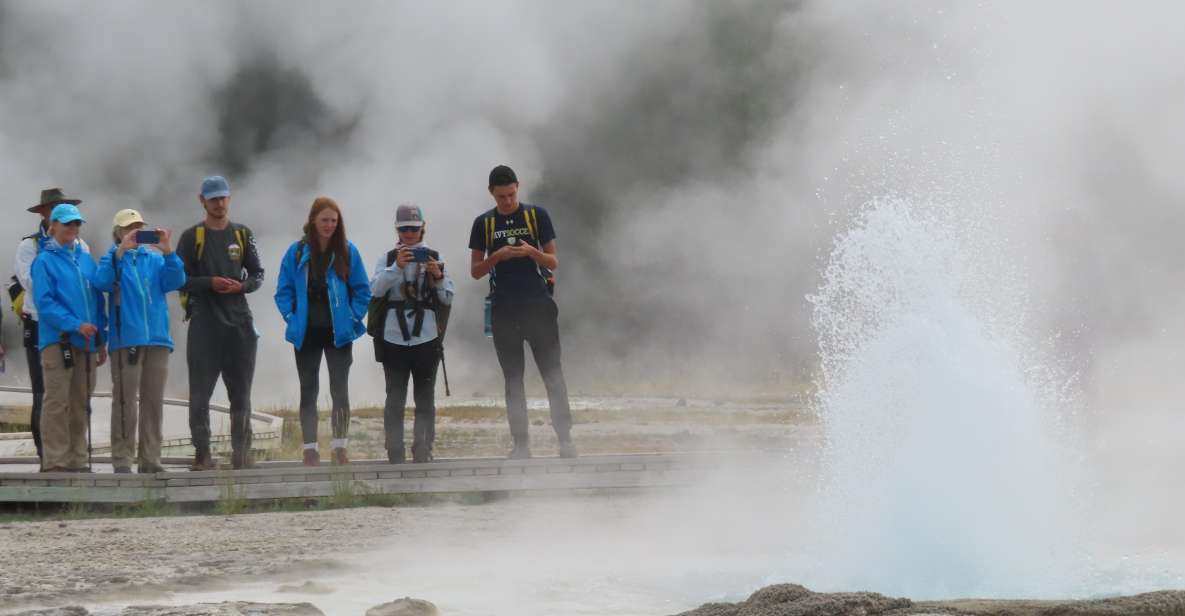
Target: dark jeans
36 381
318 342
538 325
215 349
420 363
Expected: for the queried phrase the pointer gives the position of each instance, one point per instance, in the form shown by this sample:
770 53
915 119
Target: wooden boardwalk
290 480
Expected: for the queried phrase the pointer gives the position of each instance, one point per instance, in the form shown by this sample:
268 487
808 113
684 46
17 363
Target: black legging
419 362
318 342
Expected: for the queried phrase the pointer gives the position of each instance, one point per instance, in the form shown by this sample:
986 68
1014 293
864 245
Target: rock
795 600
404 607
226 608
69 610
681 403
537 422
309 588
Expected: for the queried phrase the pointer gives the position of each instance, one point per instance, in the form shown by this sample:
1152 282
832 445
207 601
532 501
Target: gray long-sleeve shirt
388 279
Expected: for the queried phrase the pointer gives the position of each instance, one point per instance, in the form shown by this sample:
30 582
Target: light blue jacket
145 276
347 299
64 291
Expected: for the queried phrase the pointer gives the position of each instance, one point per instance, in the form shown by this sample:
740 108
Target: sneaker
203 461
339 456
123 470
520 452
311 458
149 468
567 449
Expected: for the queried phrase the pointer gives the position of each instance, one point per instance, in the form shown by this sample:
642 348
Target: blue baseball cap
66 213
215 186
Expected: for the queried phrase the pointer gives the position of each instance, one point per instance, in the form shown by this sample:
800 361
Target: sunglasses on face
407 229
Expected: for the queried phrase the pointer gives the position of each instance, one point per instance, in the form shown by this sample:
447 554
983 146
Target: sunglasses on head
407 229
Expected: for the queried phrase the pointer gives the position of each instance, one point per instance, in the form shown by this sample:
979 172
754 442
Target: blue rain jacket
347 299
145 276
65 295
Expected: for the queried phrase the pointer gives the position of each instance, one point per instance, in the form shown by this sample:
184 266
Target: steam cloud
698 160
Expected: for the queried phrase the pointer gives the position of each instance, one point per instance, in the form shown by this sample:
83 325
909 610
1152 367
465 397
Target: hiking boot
311 458
520 452
396 456
421 454
339 456
203 461
123 470
241 460
567 449
149 468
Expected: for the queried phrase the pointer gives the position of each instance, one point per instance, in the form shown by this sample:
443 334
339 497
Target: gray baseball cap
408 215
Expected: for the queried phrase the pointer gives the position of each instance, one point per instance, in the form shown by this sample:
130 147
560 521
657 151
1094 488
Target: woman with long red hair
322 293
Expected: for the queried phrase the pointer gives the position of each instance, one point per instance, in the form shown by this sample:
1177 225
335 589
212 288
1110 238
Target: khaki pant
137 391
64 422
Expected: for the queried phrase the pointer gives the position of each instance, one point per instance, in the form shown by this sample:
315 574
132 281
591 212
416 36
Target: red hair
337 242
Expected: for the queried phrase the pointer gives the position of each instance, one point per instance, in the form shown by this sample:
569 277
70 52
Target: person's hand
129 243
226 286
404 256
433 267
508 252
88 330
164 245
102 356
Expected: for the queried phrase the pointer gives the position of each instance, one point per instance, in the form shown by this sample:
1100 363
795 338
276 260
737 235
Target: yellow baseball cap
124 218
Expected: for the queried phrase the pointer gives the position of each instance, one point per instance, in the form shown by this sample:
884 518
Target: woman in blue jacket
137 277
71 335
322 293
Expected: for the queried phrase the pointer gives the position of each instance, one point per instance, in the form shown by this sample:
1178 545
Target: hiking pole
444 369
89 449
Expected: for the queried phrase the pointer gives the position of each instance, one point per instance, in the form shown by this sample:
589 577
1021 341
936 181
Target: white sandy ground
619 554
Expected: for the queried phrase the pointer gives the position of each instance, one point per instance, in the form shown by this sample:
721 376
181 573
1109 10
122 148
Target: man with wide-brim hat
51 197
20 289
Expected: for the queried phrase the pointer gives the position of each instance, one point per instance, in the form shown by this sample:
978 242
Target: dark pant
216 349
538 325
420 363
318 342
36 380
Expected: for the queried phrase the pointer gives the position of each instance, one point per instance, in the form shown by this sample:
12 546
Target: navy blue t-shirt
516 281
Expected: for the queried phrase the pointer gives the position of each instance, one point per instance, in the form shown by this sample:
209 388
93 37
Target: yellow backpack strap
532 223
489 233
199 241
240 237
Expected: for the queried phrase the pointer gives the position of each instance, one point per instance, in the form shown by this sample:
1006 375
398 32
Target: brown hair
337 242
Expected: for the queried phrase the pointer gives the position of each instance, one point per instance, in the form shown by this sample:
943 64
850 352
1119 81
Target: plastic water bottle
489 318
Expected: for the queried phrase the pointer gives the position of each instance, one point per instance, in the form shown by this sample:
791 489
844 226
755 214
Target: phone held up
147 237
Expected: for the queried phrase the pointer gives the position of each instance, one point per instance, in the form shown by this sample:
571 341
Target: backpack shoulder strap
199 240
391 255
532 221
299 252
490 221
